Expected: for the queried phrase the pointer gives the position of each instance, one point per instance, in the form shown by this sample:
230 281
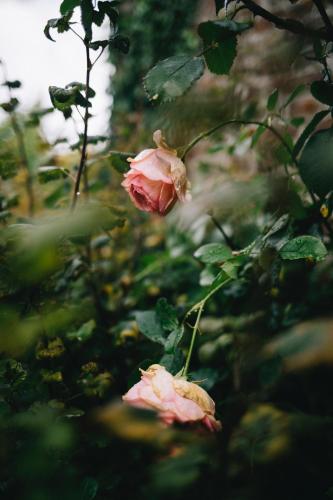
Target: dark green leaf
219 4
272 100
323 92
84 332
68 5
220 42
303 247
256 136
107 8
87 17
47 174
172 77
213 253
100 44
89 489
14 84
166 315
121 43
315 164
10 106
318 117
149 325
173 339
295 93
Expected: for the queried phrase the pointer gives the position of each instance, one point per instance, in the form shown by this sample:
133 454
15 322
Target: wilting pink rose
157 178
175 399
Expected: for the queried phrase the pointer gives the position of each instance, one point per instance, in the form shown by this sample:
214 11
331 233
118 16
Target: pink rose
157 178
175 399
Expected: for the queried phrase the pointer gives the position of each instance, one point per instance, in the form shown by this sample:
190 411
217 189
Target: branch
82 166
286 24
324 16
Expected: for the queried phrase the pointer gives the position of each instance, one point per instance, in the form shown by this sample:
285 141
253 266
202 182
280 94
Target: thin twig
286 24
82 166
324 16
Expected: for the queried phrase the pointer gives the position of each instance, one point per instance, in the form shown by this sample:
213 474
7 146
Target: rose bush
157 178
175 399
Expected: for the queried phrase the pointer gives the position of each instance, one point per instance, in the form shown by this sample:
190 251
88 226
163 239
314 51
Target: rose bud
175 399
157 178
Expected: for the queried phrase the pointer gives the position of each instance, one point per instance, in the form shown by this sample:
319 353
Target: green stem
199 306
211 131
194 334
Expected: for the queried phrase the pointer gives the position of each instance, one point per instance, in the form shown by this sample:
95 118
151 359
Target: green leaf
256 136
219 4
61 24
49 173
14 84
173 362
315 164
303 247
318 117
89 488
166 315
121 43
213 253
99 44
323 92
62 99
295 93
87 18
272 100
107 8
173 339
119 162
84 333
68 5
220 43
172 77
150 326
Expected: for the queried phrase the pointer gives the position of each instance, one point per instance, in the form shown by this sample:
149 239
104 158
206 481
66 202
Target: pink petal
151 166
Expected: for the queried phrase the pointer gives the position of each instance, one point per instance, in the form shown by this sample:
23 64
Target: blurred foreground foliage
87 298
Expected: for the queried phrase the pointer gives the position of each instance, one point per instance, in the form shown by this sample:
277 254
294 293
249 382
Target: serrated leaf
272 100
315 164
68 5
166 315
213 253
150 326
303 247
220 43
172 77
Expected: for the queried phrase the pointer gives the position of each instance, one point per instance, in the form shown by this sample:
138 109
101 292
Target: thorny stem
82 166
199 306
22 151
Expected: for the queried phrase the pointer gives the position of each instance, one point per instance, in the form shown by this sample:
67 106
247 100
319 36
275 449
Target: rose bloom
157 178
175 399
